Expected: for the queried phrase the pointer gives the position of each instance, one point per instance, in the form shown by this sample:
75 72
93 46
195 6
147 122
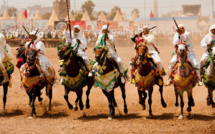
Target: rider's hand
106 36
209 44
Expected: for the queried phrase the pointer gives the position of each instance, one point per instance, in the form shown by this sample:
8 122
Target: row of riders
108 71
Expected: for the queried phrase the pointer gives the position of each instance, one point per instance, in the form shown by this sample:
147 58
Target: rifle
70 33
135 36
106 34
28 46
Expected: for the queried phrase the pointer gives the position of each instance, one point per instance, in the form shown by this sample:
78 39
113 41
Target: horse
75 76
33 81
208 76
184 78
108 78
146 76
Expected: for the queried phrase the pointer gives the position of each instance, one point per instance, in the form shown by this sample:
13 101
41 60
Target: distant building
155 6
60 8
192 9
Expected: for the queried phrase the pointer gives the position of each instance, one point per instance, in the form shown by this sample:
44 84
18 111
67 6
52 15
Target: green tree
113 12
12 11
46 16
78 16
137 12
88 6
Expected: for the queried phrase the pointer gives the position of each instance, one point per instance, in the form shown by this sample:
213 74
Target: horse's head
100 53
181 50
20 52
142 51
31 56
62 51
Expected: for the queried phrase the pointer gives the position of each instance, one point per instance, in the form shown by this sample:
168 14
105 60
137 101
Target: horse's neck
72 69
144 69
210 70
186 70
34 72
108 66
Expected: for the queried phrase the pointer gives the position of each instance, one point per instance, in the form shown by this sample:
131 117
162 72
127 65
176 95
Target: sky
127 6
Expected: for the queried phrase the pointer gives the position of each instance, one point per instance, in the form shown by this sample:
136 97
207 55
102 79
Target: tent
21 16
52 19
134 15
72 18
5 16
85 16
37 16
102 17
118 17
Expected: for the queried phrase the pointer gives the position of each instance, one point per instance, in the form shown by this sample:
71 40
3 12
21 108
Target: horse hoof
213 105
176 104
193 104
181 117
87 106
189 109
70 106
144 107
164 105
208 102
115 104
109 118
75 108
30 117
4 112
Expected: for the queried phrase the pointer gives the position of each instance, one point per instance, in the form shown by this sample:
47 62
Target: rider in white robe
81 47
184 36
5 55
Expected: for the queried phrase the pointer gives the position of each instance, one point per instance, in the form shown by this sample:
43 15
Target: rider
206 44
35 43
110 45
184 36
5 55
79 43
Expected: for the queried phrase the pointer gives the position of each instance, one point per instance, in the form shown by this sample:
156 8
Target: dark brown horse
33 81
146 77
107 67
75 76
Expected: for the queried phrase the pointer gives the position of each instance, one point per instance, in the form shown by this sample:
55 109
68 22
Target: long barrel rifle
106 34
135 36
70 31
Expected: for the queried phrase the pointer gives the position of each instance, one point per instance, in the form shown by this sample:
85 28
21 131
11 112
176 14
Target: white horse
209 78
184 78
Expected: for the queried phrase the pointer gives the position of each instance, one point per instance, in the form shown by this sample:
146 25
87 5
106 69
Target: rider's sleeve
42 47
175 39
99 40
149 39
111 39
204 42
66 35
83 44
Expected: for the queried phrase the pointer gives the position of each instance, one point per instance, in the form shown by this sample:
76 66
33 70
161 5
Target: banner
80 23
59 25
123 25
112 25
91 25
25 23
40 24
8 24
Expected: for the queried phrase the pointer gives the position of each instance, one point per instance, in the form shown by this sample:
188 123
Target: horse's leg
122 86
67 98
79 94
89 87
76 103
190 100
34 95
30 98
210 92
110 104
181 104
114 100
50 98
161 93
144 99
176 97
5 87
150 100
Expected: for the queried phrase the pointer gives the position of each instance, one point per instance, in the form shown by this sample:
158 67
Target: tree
137 12
78 16
100 13
88 6
12 11
46 16
113 12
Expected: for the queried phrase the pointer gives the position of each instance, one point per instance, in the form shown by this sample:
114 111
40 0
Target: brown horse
107 67
33 81
75 76
146 77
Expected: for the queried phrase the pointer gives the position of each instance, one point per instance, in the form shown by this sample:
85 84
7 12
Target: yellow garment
145 81
183 82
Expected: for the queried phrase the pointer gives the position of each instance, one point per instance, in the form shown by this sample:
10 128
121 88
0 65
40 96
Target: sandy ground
63 120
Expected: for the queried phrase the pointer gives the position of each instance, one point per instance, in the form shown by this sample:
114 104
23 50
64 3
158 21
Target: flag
151 14
120 12
25 13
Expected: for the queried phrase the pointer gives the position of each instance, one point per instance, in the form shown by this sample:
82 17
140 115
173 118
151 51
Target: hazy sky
126 5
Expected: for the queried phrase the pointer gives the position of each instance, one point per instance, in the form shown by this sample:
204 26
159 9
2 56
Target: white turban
145 26
104 27
33 33
77 26
211 28
180 25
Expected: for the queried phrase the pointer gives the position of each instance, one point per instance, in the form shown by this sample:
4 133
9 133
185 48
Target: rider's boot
199 76
5 74
90 74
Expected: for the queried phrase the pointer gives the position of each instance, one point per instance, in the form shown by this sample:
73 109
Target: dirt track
63 120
